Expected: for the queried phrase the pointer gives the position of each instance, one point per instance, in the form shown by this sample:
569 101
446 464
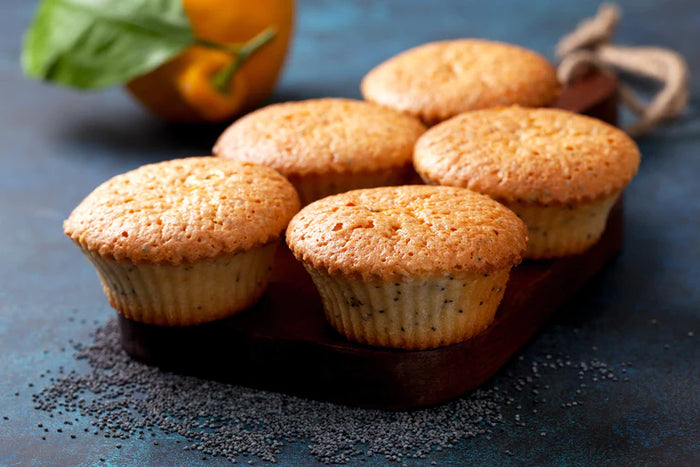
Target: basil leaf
98 43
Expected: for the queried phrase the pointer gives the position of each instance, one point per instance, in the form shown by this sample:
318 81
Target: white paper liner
186 294
316 186
415 314
557 231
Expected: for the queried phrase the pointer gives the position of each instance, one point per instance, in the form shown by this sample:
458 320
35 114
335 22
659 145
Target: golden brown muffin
561 172
438 80
326 146
411 267
184 241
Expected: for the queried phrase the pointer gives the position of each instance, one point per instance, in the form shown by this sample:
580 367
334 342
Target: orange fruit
183 90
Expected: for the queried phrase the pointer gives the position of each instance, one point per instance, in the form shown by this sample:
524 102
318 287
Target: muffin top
322 136
515 154
184 210
390 233
438 80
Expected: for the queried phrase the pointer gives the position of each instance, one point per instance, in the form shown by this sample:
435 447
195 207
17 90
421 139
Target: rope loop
589 47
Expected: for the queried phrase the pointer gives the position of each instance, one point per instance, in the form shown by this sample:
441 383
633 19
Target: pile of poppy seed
123 399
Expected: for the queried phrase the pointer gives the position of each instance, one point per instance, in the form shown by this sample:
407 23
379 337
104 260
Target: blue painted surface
58 144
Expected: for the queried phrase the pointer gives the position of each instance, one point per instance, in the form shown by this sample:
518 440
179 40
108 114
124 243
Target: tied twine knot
588 47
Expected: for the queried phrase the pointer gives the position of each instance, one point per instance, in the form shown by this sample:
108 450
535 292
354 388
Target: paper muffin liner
187 294
316 186
413 314
557 231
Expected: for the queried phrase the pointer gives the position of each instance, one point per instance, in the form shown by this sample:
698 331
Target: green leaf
98 43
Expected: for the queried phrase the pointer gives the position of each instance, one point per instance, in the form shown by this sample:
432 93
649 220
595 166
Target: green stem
240 52
232 48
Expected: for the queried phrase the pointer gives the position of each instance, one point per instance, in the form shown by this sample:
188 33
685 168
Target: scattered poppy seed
123 399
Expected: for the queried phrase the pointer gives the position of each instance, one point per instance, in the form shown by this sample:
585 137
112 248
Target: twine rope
589 47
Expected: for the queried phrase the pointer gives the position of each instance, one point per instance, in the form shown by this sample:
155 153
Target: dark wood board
283 343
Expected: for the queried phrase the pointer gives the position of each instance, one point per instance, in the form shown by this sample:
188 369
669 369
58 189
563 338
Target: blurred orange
182 89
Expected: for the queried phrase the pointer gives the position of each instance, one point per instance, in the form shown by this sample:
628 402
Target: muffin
410 267
326 146
185 241
438 80
559 171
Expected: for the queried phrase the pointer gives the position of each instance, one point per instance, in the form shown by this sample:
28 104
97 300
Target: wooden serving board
283 343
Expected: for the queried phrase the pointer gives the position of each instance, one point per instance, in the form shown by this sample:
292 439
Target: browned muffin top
404 232
438 80
516 154
321 136
184 210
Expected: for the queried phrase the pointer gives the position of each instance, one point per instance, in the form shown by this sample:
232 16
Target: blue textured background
56 145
